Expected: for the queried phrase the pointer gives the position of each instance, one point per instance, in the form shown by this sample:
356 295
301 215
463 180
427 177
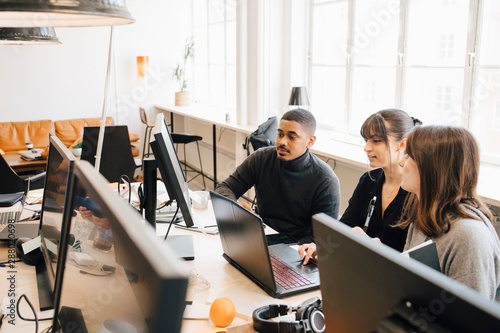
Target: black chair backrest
10 182
116 155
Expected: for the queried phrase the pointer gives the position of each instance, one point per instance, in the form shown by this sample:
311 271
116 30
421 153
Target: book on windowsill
426 253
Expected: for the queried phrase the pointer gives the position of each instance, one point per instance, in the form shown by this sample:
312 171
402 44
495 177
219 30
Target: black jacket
355 214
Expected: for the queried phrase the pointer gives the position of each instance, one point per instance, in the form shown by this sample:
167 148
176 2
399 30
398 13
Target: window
214 29
368 55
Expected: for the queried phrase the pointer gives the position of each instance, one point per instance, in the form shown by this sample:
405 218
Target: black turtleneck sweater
288 192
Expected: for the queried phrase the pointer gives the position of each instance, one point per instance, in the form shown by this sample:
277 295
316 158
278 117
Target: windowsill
344 152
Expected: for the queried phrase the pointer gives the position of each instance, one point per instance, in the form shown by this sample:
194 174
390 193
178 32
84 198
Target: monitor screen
59 168
367 286
170 168
116 271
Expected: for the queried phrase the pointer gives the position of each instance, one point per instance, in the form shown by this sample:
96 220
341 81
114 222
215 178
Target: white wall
67 81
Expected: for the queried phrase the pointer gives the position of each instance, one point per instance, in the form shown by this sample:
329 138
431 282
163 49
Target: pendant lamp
28 36
63 13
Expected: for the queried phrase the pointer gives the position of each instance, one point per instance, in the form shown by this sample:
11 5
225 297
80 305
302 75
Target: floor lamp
69 13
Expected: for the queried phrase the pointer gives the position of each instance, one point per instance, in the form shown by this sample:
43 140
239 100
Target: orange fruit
222 312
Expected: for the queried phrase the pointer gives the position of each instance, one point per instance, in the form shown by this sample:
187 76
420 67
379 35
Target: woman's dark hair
400 124
448 163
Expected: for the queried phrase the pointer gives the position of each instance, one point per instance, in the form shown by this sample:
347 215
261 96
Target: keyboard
286 277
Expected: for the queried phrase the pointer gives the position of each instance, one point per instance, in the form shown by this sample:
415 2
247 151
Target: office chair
11 182
116 156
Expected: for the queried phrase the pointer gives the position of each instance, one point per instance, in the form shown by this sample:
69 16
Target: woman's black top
355 214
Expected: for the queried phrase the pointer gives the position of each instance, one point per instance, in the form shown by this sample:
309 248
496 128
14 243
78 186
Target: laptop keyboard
286 277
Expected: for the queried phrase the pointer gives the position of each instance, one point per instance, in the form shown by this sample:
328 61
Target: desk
211 115
224 279
20 166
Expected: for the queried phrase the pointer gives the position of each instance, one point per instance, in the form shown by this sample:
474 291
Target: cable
171 222
125 178
36 320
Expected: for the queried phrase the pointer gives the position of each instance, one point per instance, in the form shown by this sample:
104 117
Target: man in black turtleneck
290 182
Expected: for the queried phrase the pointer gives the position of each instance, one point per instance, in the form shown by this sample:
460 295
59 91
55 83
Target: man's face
292 140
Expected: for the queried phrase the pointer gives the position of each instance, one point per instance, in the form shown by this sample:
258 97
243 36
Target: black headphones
309 318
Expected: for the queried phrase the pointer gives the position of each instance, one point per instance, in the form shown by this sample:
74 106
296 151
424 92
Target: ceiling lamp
28 36
63 13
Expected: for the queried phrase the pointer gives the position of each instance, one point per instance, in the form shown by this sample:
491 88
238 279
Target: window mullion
348 72
470 64
400 67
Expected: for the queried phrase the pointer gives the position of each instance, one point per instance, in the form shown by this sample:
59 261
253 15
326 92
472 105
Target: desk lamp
299 97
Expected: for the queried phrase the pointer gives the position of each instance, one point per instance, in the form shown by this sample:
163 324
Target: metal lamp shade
28 36
67 13
299 96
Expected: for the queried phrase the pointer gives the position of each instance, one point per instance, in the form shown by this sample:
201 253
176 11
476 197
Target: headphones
309 318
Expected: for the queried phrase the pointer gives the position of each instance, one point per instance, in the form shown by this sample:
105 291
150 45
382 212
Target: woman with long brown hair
440 169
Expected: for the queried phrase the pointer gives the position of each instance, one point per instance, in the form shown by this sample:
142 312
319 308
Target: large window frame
345 125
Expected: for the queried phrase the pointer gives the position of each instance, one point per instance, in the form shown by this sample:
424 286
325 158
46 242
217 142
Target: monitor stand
45 295
182 245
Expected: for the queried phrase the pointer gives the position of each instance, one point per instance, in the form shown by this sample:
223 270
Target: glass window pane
231 43
329 39
217 87
230 10
485 116
376 27
215 11
201 84
431 41
200 13
434 95
200 46
489 26
373 89
328 95
216 44
231 87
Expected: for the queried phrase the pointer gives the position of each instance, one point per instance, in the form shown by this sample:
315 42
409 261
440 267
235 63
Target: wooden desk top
224 279
19 165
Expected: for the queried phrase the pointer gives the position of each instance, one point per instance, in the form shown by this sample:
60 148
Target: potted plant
76 149
179 73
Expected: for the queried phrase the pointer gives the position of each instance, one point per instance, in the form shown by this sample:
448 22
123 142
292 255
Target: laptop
277 269
17 229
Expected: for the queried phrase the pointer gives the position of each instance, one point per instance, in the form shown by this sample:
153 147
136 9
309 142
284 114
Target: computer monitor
170 168
116 155
367 286
134 283
59 169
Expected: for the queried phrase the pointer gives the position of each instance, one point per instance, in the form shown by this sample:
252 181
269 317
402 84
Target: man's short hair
304 118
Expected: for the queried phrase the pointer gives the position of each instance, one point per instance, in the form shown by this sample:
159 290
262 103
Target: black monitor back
366 285
116 155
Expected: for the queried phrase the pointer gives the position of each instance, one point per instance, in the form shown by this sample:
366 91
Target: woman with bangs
385 135
440 169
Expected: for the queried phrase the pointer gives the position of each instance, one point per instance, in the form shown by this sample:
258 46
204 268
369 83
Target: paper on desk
31 245
197 310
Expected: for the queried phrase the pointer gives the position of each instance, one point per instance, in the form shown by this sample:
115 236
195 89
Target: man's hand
308 251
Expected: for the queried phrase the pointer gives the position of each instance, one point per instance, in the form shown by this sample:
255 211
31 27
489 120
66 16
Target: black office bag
263 136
